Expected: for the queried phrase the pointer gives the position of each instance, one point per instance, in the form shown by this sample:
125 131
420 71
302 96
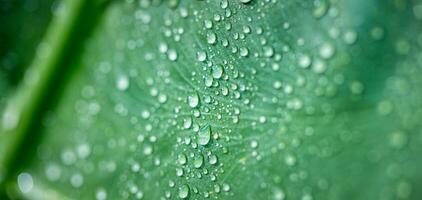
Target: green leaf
221 100
18 39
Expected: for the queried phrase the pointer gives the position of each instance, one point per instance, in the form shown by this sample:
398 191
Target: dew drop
208 80
162 98
226 187
208 24
244 51
193 100
245 1
187 123
217 71
350 37
268 51
172 55
122 83
204 135
290 160
201 56
326 51
183 191
198 161
101 194
76 180
304 61
182 159
25 182
211 38
254 144
212 159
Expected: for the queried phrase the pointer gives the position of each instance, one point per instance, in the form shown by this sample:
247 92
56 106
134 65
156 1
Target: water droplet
25 182
319 66
279 195
212 159
83 150
76 180
245 1
179 172
224 4
217 71
244 51
350 37
53 172
320 9
254 144
268 51
187 123
198 161
208 24
307 197
226 187
211 38
122 82
208 81
101 194
262 119
183 191
193 100
201 56
277 84
290 160
204 135
304 61
172 55
326 51
182 159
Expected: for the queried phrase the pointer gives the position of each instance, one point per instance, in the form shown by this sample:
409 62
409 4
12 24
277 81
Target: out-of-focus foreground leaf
23 23
223 100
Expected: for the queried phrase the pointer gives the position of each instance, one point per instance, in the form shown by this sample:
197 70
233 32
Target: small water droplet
201 56
172 55
304 61
326 51
187 123
122 82
101 194
268 51
350 37
212 159
245 1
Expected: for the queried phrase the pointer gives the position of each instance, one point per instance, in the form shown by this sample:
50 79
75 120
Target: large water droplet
25 182
183 191
193 100
217 71
204 135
